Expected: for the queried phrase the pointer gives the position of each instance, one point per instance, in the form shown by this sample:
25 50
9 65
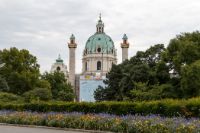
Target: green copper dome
99 42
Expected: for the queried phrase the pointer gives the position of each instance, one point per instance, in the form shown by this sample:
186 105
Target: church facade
99 55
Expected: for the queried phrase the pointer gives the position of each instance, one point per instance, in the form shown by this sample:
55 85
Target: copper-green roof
125 37
99 40
72 36
59 60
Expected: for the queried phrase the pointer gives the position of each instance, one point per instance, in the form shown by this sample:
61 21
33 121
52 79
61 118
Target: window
98 65
85 66
58 69
99 50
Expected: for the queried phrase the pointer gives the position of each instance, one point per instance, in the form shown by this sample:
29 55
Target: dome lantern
100 25
59 60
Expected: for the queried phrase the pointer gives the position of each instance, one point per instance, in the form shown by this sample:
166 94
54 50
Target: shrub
167 107
65 96
9 97
42 94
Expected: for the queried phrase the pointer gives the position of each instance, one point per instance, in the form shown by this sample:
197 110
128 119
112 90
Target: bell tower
124 46
72 60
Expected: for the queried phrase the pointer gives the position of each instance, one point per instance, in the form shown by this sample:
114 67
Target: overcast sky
44 26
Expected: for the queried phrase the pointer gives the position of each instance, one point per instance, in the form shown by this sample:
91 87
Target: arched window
98 65
85 66
58 69
99 50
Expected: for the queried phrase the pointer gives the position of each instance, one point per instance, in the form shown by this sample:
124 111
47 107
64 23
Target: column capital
72 43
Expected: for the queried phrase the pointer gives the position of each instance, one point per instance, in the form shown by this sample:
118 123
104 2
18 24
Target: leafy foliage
9 97
60 88
3 85
166 107
190 81
21 75
123 78
38 94
21 71
157 73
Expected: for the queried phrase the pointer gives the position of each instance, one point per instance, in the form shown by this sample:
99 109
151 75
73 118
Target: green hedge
9 97
167 107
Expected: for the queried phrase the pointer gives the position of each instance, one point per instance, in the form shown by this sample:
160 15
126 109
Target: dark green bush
38 94
65 96
167 107
9 97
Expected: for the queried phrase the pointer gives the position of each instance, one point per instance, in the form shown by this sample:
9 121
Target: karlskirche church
99 55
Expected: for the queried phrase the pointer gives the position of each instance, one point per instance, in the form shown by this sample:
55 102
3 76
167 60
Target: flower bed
104 122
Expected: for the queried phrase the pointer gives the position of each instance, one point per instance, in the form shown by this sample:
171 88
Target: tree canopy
21 70
60 88
21 76
157 73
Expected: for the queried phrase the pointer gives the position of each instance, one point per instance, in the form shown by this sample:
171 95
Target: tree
123 77
147 75
153 55
190 80
162 72
60 88
113 89
101 94
38 94
3 85
183 50
21 70
143 91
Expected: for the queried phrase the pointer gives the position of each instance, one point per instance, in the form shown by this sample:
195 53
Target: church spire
100 25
